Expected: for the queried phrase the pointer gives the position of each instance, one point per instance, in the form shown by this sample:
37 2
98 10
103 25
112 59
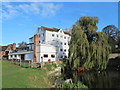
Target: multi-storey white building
50 44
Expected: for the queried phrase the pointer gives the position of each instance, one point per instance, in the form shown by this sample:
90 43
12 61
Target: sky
20 20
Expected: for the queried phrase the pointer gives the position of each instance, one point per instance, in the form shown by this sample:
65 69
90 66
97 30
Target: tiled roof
50 29
4 48
67 33
53 29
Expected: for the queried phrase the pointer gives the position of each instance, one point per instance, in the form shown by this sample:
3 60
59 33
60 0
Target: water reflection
94 79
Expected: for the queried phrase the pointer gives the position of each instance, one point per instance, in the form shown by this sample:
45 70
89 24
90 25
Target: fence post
29 64
41 62
20 62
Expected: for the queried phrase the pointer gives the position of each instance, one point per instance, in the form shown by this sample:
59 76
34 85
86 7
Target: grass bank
14 76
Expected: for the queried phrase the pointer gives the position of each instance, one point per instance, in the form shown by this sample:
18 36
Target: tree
119 39
113 36
88 48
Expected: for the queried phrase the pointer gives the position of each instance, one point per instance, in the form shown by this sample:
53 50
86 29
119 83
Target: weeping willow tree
88 48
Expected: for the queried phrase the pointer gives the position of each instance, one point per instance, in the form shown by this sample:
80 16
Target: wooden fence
25 63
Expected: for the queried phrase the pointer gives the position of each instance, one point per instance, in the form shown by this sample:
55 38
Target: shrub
71 85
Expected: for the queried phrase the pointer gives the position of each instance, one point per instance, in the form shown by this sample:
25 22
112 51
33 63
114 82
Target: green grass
14 76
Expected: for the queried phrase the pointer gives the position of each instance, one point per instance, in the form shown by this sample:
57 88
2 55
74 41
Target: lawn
14 76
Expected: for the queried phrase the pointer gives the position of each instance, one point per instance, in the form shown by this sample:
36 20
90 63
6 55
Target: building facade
47 44
5 50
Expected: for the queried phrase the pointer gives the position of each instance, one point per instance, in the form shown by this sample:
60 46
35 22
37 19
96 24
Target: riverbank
15 76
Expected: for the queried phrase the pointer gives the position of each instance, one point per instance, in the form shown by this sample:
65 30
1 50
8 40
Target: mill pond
97 79
109 78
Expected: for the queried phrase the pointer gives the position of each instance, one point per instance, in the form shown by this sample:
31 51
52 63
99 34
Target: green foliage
71 85
49 66
88 48
113 34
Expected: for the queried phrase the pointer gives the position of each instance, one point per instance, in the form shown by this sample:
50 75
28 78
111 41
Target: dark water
97 79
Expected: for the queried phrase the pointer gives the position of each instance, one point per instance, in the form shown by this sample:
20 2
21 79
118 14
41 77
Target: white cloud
9 10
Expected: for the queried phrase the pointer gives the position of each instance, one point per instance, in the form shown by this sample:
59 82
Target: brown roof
67 33
50 29
4 48
53 29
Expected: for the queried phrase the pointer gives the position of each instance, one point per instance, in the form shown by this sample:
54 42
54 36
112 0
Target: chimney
35 47
14 46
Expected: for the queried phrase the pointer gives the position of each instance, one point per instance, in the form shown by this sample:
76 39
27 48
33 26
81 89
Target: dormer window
61 31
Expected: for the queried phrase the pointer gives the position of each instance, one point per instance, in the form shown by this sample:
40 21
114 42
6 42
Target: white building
46 52
51 44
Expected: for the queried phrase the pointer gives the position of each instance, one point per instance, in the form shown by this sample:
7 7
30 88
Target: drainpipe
35 48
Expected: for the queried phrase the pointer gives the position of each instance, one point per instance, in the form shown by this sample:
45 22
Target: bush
50 66
71 85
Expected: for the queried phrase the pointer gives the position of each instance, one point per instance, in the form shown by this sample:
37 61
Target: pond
97 79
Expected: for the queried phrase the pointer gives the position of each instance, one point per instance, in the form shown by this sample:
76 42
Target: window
65 57
68 37
15 55
39 41
65 50
61 36
57 35
61 49
61 43
11 55
52 35
61 31
61 57
45 55
64 43
39 35
53 56
64 37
